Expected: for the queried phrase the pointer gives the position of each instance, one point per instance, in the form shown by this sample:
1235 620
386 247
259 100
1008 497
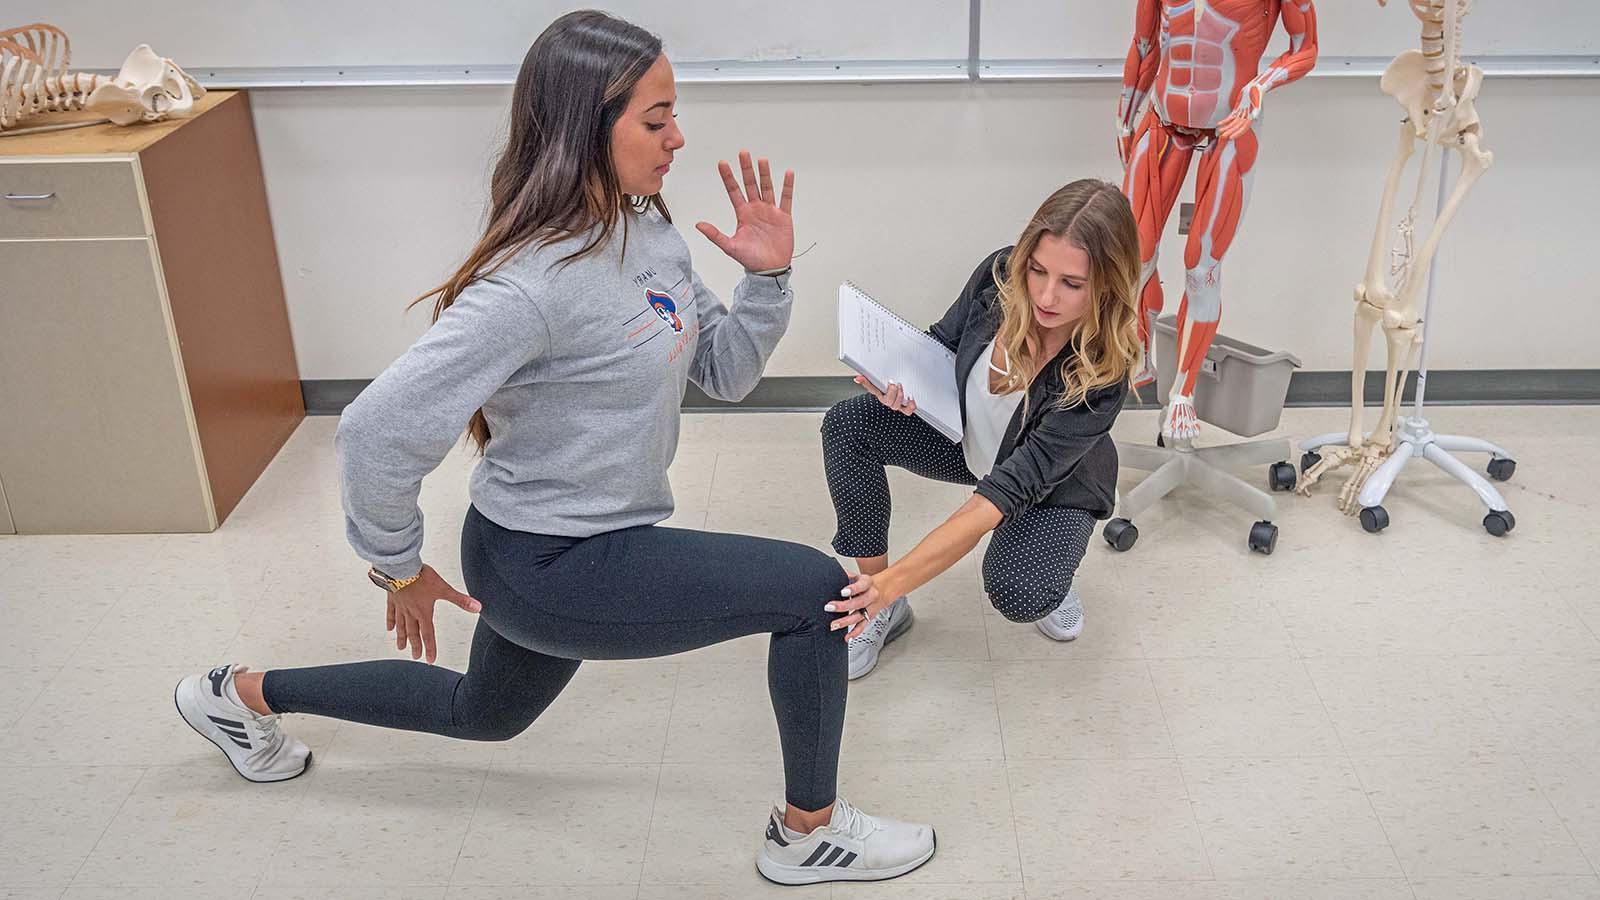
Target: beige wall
376 193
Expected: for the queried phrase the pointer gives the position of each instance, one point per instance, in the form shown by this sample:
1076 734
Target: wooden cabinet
147 372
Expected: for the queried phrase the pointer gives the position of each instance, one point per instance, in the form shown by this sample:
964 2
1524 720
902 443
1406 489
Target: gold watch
391 584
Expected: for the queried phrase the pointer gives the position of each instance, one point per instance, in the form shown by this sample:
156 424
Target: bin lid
1223 347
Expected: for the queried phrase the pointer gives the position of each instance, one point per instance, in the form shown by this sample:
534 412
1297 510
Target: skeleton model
35 79
1438 95
1197 61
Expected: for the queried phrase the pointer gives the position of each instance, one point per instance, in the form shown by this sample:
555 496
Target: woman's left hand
861 602
763 235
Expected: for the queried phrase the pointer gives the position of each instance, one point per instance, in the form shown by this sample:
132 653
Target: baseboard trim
812 393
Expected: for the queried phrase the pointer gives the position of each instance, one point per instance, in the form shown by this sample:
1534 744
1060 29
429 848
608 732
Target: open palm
763 234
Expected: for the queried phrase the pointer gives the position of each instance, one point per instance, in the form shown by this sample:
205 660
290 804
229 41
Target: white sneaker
888 625
853 846
1066 622
255 746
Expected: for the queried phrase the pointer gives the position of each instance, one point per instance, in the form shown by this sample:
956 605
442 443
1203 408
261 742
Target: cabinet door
95 430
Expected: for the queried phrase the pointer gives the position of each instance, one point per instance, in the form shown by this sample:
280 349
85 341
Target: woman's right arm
403 425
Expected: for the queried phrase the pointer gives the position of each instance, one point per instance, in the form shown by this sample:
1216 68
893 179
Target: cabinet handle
30 196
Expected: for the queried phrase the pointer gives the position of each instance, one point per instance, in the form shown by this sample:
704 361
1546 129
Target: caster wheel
1309 459
1263 538
1282 476
1502 469
1499 522
1121 535
1374 519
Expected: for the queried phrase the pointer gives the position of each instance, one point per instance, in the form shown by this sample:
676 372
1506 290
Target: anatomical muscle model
1198 63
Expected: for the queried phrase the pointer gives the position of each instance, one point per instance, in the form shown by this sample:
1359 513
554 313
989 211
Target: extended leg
1154 178
1221 195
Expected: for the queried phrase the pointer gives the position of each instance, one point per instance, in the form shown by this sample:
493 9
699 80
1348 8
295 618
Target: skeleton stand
1413 437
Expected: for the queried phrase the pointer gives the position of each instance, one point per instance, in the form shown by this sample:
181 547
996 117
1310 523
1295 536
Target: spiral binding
892 314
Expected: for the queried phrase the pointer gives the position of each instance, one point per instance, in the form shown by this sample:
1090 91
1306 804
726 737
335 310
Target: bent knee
1020 602
848 418
499 726
809 580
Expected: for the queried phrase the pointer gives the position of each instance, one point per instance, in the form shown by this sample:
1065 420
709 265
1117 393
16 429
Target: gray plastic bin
1241 387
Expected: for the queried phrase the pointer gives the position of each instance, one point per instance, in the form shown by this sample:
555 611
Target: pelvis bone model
1438 94
35 79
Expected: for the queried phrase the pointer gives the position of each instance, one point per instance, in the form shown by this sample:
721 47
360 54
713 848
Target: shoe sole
790 876
895 631
1062 640
224 751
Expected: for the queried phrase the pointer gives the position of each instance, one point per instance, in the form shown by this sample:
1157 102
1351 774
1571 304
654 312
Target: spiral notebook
884 347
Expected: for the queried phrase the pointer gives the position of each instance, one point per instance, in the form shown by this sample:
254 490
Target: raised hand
763 235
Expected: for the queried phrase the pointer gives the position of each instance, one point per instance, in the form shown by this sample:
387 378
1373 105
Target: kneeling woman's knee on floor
1022 596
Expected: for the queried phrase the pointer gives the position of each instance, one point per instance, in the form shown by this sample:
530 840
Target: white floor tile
53 817
1291 818
1243 708
1105 820
559 824
1080 709
376 824
151 841
1452 817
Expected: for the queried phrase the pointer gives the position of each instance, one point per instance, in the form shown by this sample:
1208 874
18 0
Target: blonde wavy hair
1094 216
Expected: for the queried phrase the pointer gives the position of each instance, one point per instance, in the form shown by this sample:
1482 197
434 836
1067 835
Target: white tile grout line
1194 817
1356 772
102 836
1005 768
466 830
1565 826
1516 750
661 768
311 777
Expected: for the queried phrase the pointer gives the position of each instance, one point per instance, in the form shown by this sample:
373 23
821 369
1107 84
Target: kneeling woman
1045 338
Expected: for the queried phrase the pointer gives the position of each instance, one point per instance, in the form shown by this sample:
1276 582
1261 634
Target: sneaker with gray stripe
253 743
853 846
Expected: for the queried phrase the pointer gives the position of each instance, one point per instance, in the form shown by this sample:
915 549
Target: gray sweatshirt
580 370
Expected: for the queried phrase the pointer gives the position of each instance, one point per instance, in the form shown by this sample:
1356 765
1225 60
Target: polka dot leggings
1028 568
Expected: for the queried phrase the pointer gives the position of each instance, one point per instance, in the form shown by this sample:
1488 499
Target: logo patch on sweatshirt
666 309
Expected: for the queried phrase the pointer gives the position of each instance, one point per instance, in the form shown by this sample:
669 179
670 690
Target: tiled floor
1413 715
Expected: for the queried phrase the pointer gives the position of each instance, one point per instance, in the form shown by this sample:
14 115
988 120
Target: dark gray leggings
1032 558
551 602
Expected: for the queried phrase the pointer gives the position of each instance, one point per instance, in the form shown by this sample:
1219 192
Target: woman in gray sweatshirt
563 345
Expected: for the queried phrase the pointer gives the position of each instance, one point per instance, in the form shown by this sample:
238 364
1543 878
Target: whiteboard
321 33
1103 29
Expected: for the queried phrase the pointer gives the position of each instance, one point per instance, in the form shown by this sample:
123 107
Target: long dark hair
554 179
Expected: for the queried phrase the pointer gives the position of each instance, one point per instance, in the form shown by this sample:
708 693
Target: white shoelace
271 738
852 822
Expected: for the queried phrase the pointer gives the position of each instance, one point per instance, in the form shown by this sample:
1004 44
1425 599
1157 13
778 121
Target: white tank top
988 416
